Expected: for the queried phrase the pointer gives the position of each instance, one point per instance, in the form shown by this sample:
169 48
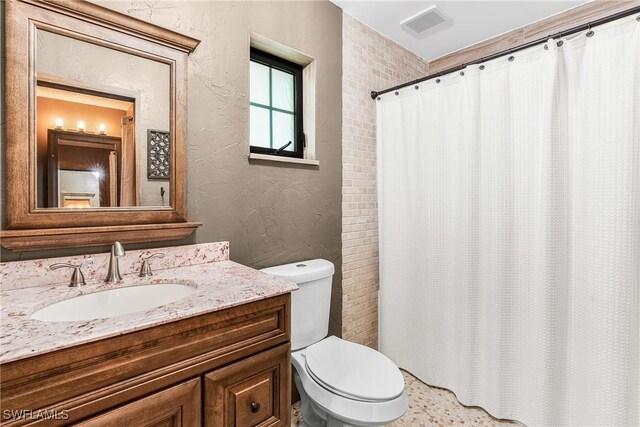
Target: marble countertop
220 285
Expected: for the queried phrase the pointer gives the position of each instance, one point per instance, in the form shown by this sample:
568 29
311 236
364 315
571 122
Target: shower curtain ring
590 32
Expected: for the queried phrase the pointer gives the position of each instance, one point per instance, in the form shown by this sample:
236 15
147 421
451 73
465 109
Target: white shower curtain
509 214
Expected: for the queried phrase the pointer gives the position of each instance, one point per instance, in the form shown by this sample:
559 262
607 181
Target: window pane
259 83
259 136
282 86
283 130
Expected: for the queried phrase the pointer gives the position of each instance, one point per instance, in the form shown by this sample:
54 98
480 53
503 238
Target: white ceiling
82 98
472 21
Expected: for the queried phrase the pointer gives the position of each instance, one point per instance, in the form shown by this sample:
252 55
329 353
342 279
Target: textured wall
370 62
271 213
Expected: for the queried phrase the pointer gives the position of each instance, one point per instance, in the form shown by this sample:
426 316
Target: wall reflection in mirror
102 126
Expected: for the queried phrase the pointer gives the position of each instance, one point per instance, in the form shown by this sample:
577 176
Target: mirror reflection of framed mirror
96 126
84 171
100 93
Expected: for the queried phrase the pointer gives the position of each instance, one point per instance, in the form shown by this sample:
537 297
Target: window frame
286 66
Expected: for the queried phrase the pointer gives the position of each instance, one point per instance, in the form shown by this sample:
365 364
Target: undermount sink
113 302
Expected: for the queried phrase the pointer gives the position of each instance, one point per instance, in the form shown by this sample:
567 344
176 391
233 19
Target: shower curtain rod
577 29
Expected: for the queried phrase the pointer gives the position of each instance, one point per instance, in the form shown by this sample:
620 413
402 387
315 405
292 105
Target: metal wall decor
158 154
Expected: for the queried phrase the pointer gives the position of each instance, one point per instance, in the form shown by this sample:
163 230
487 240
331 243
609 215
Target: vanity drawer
254 391
253 399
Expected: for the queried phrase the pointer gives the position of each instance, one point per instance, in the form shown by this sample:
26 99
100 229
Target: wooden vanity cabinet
226 368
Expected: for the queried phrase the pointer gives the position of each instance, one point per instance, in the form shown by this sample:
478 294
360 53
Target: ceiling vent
425 23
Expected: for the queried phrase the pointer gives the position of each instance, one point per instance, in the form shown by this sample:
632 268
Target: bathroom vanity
217 357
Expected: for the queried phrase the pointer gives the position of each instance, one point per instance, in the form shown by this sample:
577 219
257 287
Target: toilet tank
310 304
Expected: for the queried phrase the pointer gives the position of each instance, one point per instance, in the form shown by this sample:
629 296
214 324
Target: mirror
96 127
103 126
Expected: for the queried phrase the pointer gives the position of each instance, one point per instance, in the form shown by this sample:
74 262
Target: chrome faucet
113 275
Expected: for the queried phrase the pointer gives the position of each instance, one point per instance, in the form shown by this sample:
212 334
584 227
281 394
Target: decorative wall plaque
158 154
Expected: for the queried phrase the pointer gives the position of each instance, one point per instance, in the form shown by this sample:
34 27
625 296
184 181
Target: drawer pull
255 407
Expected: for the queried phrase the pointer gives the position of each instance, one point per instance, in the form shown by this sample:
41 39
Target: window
275 106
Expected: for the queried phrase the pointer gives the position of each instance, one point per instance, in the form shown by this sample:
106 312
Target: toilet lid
353 370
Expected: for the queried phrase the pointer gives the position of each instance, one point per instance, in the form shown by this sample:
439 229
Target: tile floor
432 406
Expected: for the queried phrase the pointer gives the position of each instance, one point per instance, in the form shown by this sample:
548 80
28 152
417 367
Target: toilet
340 383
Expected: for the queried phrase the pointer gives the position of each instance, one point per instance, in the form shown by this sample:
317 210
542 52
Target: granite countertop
220 285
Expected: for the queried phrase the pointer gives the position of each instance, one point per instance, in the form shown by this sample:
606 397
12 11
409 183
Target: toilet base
315 416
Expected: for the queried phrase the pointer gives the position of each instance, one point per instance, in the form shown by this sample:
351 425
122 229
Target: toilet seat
352 411
354 371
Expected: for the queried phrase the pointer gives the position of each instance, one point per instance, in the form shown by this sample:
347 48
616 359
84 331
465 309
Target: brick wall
370 62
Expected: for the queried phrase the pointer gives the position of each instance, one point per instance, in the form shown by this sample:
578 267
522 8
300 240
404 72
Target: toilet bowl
343 393
340 383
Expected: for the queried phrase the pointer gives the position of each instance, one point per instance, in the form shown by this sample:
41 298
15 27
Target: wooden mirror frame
28 227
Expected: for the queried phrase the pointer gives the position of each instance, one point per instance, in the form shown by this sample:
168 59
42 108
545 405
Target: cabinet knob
255 407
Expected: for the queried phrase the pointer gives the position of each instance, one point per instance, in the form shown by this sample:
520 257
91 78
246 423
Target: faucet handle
145 270
156 255
77 278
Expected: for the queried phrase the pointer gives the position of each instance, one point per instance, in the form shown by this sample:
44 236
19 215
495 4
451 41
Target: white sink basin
113 302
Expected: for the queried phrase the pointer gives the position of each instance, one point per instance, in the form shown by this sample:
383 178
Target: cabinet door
177 406
252 392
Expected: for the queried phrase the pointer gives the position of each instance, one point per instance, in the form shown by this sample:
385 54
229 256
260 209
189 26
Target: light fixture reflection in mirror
102 129
77 204
59 123
81 126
